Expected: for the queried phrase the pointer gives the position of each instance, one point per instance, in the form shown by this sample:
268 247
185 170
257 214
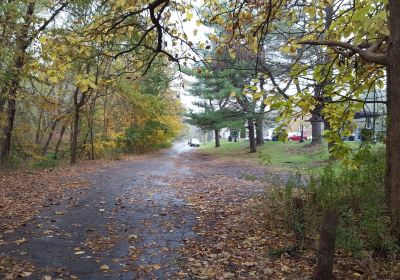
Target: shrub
357 193
46 161
147 137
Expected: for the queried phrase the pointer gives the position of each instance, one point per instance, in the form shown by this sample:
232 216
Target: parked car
194 142
268 138
272 137
296 136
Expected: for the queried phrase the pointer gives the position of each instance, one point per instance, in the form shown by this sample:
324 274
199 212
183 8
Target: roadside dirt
239 235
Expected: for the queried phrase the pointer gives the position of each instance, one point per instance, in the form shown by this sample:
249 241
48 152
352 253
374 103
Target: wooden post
326 250
298 221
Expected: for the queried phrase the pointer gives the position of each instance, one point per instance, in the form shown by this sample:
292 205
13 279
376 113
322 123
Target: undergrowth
358 195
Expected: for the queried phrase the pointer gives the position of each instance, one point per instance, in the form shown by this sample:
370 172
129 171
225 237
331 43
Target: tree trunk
75 128
39 126
59 141
105 119
252 138
393 105
301 133
46 145
259 130
316 117
316 121
11 109
7 130
320 88
217 140
90 124
3 98
260 116
326 250
22 43
91 144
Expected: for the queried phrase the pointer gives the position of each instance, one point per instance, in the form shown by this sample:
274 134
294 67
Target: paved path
128 224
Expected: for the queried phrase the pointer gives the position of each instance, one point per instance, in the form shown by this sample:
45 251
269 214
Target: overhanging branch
367 54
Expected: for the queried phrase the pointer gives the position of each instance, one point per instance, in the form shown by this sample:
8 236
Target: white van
194 142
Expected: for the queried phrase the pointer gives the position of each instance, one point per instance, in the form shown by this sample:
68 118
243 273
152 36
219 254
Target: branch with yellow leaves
366 51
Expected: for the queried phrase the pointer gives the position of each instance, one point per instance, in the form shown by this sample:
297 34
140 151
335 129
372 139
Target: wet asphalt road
128 224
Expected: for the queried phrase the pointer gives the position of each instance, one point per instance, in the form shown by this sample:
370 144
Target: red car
296 136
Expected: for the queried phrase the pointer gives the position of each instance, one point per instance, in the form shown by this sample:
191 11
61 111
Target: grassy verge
290 156
294 156
227 149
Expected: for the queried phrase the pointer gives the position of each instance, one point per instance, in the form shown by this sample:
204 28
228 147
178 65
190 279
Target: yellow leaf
121 3
189 16
20 241
104 267
43 40
25 274
53 80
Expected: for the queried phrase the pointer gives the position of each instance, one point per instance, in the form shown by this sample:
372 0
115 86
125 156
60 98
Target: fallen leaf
228 275
132 238
268 271
9 276
249 264
104 267
25 274
20 241
285 268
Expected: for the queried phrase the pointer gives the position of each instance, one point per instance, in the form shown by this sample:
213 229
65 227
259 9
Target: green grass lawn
227 149
293 154
290 156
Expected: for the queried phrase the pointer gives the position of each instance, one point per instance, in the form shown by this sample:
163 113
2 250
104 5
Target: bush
46 161
359 196
107 149
147 137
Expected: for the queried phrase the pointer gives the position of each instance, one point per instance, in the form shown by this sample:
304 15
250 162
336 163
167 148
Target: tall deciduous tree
25 33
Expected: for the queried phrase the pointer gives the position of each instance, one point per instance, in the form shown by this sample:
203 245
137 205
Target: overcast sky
183 84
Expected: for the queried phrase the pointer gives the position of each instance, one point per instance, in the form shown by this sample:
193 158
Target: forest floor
175 214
